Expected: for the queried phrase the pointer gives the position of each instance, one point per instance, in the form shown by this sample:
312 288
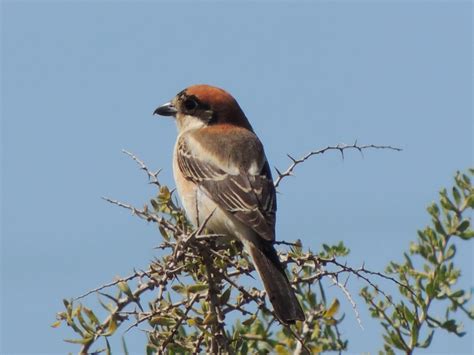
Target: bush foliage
195 296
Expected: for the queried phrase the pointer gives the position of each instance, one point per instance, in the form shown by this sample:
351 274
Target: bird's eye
190 104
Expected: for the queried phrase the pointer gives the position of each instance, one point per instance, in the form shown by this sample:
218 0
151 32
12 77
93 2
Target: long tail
281 294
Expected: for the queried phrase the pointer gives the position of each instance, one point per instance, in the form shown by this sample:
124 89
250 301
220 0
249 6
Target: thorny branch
339 147
152 177
343 269
110 284
346 293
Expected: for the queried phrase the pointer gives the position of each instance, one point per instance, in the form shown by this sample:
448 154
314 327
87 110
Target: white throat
188 123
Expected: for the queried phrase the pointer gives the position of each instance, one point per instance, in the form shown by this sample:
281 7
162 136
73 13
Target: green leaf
414 333
427 341
450 325
451 252
470 201
123 286
430 289
467 235
438 227
463 226
111 327
108 307
281 350
91 315
330 321
79 341
394 339
155 205
408 314
457 294
164 233
180 289
316 332
67 304
466 179
162 320
198 288
456 195
85 325
225 296
164 196
332 310
446 202
433 210
408 260
210 318
250 320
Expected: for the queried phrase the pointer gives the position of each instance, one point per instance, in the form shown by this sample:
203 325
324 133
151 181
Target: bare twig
282 242
152 177
110 284
344 268
145 214
339 147
358 272
349 298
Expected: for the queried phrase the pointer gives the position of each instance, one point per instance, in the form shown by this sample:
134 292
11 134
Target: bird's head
203 105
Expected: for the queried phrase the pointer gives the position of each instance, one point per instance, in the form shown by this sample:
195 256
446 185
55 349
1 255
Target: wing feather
250 198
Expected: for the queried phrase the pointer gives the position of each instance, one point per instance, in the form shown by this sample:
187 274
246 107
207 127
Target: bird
223 176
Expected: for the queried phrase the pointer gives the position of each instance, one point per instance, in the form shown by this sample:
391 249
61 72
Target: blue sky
80 80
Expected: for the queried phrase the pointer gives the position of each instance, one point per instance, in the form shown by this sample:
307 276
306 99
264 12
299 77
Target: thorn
342 152
139 305
108 296
292 159
347 280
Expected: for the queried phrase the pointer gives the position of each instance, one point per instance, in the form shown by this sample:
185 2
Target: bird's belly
200 208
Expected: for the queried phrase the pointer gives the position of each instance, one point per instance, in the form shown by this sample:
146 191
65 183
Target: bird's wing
250 197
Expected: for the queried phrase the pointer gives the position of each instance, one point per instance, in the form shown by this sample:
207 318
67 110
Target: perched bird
221 171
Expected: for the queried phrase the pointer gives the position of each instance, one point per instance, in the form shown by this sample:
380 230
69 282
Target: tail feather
279 290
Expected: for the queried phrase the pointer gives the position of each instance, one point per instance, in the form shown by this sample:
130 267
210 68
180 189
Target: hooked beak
166 110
